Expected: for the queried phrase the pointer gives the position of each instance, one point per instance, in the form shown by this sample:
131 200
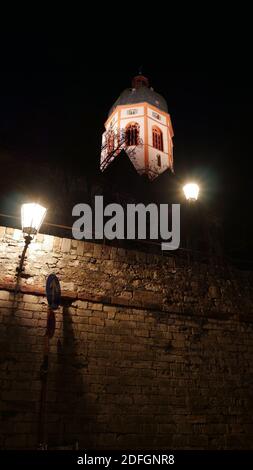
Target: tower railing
119 136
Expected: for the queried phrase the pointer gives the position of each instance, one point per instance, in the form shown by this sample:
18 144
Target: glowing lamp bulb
191 191
32 216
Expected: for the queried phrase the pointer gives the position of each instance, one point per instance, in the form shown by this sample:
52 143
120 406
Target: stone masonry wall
149 351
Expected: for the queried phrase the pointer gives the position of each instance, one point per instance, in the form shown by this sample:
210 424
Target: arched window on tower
110 141
157 138
132 135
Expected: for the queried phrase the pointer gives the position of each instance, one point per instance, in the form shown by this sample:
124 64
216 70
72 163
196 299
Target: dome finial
140 80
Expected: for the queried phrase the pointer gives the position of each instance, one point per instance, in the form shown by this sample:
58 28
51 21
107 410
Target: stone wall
149 351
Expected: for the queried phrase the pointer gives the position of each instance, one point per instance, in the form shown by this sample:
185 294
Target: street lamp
32 216
191 191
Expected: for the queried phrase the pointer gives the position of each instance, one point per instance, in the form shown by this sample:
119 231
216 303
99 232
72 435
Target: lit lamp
191 191
32 216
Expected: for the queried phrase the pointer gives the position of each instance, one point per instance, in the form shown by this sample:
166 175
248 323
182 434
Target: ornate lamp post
32 216
191 193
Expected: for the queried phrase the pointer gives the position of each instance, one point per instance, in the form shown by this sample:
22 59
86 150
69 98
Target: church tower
139 124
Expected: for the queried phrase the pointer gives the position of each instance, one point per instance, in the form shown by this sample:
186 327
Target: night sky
55 94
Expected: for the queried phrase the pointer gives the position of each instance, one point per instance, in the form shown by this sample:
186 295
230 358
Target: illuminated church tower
139 124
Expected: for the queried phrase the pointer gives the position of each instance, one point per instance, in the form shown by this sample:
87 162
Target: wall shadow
67 421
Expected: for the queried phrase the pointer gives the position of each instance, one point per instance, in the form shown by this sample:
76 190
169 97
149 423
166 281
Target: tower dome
139 93
139 123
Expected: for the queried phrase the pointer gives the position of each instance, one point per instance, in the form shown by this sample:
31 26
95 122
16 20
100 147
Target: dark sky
55 93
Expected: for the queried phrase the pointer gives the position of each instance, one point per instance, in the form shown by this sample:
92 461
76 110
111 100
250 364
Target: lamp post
32 216
191 193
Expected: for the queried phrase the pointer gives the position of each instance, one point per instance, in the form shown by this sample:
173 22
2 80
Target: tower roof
140 92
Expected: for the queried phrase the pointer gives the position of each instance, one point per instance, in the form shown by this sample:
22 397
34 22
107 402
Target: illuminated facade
139 123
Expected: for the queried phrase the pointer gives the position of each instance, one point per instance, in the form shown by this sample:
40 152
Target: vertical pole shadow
71 424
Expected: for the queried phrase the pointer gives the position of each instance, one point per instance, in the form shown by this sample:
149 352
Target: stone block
4 295
65 245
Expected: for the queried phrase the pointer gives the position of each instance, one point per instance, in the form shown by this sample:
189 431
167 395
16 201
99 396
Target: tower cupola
139 124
